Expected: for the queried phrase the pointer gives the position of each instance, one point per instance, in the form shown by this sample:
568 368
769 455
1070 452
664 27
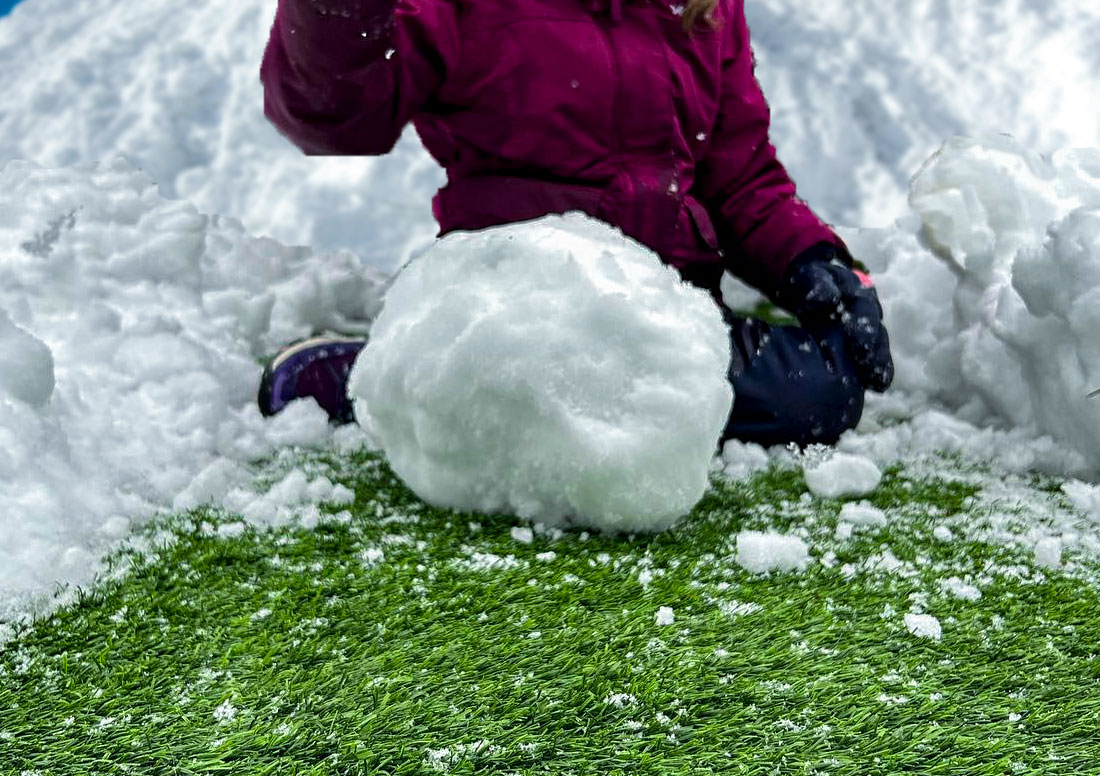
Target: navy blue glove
822 290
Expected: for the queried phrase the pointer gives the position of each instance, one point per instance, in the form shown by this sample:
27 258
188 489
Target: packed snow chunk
1048 552
26 364
554 369
923 626
759 552
841 475
862 513
665 616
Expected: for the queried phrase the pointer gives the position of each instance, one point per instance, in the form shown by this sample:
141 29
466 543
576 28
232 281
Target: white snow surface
130 326
552 369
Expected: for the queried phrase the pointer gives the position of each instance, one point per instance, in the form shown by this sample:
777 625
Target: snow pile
760 553
553 369
130 332
991 290
1022 234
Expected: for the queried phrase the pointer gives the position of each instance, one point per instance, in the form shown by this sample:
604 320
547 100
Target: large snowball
553 369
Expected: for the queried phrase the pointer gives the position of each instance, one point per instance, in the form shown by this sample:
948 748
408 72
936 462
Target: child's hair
696 9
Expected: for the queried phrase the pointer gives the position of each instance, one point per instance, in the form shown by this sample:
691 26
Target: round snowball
553 369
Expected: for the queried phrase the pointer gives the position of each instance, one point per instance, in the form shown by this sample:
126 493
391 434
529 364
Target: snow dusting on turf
131 326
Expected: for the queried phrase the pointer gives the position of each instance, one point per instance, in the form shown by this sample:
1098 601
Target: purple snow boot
316 367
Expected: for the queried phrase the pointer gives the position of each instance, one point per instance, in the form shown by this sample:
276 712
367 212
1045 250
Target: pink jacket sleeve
761 223
346 76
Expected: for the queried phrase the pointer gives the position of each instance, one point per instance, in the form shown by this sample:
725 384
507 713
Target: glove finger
868 341
862 322
817 291
877 373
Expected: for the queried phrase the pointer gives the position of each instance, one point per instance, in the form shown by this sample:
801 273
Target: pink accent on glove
864 279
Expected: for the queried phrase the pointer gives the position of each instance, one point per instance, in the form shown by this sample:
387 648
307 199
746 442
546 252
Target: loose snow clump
842 474
761 552
923 626
553 369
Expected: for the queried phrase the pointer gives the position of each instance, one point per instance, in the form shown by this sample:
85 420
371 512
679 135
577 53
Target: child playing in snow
643 114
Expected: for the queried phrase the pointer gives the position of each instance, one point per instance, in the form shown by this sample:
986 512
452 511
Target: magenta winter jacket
544 106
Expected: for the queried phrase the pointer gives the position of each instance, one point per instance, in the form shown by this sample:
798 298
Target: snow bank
131 329
992 298
859 99
553 369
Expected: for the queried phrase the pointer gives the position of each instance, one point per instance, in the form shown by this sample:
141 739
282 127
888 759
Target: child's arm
345 76
761 223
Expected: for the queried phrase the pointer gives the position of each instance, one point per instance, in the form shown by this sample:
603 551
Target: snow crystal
840 475
924 626
1048 552
665 616
759 552
604 408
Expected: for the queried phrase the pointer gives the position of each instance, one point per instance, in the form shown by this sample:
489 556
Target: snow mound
1022 234
553 369
131 333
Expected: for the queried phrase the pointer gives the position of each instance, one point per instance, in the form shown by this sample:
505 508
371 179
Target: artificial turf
397 638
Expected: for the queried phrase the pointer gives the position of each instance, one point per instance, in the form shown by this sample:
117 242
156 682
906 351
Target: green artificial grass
403 639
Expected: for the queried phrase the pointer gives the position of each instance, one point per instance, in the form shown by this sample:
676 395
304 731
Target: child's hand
822 291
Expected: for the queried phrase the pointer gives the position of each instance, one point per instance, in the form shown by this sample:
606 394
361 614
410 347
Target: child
643 114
